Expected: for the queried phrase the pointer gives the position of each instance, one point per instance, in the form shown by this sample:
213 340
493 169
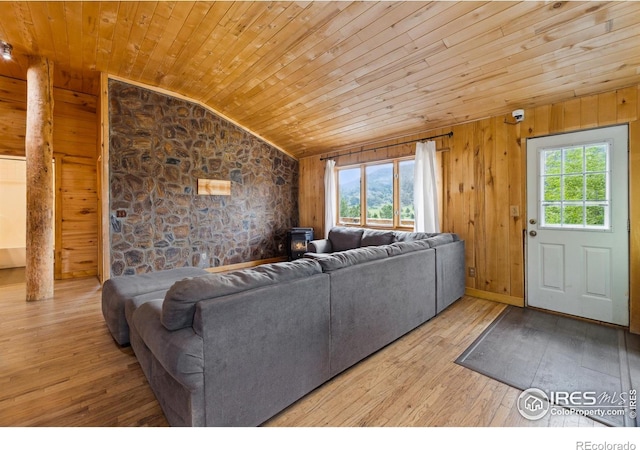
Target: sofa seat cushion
181 352
179 308
376 237
335 261
345 238
134 303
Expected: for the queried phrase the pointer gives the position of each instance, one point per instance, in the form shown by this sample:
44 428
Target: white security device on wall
518 114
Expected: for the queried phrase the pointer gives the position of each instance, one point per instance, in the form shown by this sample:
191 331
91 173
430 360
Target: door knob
532 221
533 233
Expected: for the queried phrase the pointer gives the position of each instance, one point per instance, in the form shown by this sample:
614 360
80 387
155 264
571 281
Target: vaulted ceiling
315 76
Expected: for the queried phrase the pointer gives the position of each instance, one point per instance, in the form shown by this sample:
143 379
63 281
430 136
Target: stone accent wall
159 147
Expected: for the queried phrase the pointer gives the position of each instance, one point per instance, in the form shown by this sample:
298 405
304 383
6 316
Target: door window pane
552 191
596 186
596 215
573 160
572 215
553 162
596 158
552 215
574 187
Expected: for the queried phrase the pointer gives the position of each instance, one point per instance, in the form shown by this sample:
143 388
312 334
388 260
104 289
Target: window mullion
338 217
584 186
396 194
363 195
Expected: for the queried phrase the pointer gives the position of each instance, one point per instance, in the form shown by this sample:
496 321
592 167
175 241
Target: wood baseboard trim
501 298
78 274
246 265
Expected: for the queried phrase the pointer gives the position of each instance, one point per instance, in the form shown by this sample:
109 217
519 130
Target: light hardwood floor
60 367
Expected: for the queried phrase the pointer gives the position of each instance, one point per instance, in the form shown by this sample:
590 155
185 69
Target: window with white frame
378 194
575 187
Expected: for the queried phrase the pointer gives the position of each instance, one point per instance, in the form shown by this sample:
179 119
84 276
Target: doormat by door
556 360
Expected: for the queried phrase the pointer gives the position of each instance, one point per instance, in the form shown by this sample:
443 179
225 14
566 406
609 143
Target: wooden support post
39 152
104 226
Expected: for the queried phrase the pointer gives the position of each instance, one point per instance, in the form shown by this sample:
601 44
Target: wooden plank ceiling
316 76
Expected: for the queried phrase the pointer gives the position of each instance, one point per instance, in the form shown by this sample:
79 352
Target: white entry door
577 227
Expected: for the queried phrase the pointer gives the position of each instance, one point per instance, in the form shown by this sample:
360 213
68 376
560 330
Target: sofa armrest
320 246
117 291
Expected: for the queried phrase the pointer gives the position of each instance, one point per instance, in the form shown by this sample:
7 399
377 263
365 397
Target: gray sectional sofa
448 248
236 348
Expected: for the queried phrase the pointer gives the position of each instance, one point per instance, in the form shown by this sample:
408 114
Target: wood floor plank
59 367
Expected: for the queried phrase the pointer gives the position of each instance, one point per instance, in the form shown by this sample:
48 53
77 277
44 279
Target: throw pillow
376 237
344 238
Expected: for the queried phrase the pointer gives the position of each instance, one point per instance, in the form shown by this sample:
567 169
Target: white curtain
425 188
330 206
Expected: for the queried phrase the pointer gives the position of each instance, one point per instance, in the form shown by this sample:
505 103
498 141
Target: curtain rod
449 134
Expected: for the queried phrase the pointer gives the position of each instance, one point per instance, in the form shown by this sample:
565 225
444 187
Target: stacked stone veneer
159 147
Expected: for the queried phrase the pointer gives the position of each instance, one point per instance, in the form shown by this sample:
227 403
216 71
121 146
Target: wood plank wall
75 153
483 181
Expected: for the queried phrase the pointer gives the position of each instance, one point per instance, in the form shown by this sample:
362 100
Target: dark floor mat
597 364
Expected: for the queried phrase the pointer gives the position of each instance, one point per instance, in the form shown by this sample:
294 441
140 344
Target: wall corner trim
104 242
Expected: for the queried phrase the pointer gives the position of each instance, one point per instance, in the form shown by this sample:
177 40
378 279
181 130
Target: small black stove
297 239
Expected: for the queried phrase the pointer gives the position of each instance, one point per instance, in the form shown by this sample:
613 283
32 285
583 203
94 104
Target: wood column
39 153
104 238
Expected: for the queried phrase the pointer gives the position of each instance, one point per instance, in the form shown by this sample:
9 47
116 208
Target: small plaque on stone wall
213 187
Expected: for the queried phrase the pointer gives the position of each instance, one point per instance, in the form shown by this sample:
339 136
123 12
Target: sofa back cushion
345 238
376 237
407 236
179 307
441 239
438 238
399 248
335 261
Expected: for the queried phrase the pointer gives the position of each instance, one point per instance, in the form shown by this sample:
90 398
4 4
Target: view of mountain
379 191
